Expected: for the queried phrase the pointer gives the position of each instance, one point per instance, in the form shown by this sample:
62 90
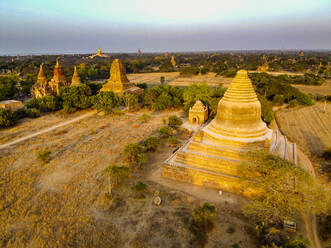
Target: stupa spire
41 74
75 78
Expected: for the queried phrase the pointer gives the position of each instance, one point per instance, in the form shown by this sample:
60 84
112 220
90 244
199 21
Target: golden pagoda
75 81
263 68
213 155
118 81
59 80
98 54
41 87
198 114
173 61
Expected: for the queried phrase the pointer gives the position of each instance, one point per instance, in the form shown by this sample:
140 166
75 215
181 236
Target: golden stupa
75 81
118 81
213 155
41 87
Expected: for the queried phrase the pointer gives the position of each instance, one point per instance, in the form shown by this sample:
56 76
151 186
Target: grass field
173 78
324 89
309 127
63 203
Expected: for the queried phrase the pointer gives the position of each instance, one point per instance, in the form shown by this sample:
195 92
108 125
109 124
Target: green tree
106 101
75 97
267 113
45 104
152 143
165 131
134 154
6 118
8 88
284 189
166 66
115 174
130 101
174 121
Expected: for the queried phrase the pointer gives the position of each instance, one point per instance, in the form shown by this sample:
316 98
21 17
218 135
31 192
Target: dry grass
63 203
173 78
324 89
309 127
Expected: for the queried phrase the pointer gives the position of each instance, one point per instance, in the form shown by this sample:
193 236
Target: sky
81 26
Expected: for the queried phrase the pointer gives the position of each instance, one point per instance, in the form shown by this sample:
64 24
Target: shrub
152 143
145 117
174 121
298 242
105 101
230 230
33 113
304 99
165 131
172 140
142 86
139 186
162 97
6 118
267 113
162 79
44 156
134 154
293 103
45 104
278 100
188 71
22 113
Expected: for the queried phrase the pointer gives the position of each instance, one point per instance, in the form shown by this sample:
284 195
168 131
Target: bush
163 97
145 117
152 143
33 113
172 141
130 101
105 101
230 230
174 121
44 156
6 118
142 86
298 242
75 97
23 113
165 131
267 113
134 154
278 100
45 104
293 103
139 186
304 99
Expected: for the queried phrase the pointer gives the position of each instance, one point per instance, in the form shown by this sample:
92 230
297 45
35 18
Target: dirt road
47 130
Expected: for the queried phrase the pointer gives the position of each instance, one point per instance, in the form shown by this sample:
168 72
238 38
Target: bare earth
63 203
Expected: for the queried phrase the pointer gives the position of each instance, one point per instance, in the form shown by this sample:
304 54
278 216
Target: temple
98 54
118 81
75 81
173 61
59 80
263 68
213 155
198 114
43 88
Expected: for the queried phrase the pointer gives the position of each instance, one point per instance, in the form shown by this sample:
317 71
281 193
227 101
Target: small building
198 114
12 105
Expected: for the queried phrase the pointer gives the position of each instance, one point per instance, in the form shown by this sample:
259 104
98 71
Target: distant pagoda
75 81
98 54
118 81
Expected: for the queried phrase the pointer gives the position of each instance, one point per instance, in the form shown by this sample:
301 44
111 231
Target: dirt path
46 130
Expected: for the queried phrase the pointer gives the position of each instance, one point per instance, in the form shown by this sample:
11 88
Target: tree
45 104
166 66
130 101
267 113
75 97
8 89
115 174
145 117
152 143
165 131
134 154
174 121
161 97
105 101
6 118
282 190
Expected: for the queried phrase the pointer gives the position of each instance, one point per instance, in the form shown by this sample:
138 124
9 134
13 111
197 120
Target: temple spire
75 78
41 73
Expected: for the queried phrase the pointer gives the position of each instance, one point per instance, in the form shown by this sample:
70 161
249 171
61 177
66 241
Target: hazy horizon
79 27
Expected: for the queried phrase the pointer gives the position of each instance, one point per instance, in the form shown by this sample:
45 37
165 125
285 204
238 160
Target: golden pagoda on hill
98 54
59 80
216 151
118 81
75 81
41 87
